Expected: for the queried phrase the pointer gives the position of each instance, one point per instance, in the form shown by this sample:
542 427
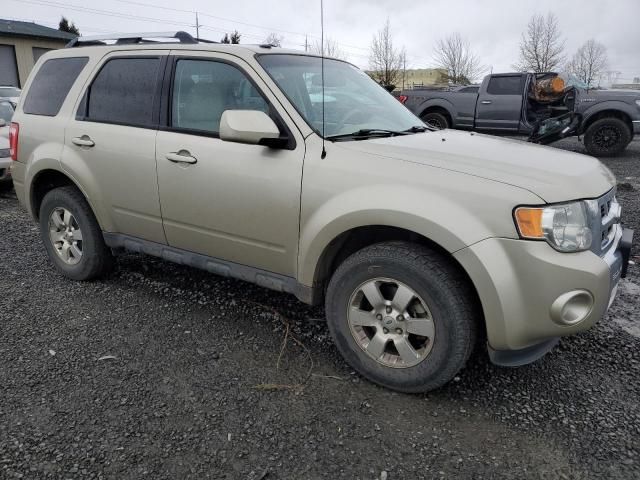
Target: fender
414 210
615 105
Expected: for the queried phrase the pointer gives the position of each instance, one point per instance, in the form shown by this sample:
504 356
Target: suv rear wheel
607 137
402 315
72 236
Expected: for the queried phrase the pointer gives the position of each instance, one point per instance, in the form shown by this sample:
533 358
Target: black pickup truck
517 103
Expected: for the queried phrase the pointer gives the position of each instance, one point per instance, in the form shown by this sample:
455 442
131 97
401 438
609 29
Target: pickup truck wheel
435 120
72 236
402 315
607 137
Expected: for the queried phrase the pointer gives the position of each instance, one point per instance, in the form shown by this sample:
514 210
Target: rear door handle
83 141
486 102
181 157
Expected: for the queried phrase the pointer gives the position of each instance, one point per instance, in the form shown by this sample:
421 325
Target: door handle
83 141
486 102
181 157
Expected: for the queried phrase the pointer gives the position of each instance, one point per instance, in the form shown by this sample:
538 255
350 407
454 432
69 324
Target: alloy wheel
65 235
391 323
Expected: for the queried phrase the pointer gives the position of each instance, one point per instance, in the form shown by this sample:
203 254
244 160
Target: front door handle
181 157
83 141
486 102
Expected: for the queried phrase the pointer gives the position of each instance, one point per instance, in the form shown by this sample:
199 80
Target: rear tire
436 120
607 137
72 237
439 323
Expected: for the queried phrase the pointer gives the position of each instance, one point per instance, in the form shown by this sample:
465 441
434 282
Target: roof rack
135 38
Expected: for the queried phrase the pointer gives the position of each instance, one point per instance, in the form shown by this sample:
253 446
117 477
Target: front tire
402 315
607 137
72 237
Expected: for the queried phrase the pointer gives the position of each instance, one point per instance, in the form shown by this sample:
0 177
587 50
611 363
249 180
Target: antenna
324 151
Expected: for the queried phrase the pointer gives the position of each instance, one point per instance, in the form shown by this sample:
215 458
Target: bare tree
331 49
541 47
274 39
589 62
454 54
385 61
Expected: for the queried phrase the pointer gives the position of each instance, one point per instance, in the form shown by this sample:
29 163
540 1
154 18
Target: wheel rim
65 236
391 323
607 137
435 123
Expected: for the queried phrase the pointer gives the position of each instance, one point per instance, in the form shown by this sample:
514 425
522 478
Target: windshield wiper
368 133
418 129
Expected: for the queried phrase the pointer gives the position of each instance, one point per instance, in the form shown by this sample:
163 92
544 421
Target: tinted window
203 90
505 86
52 84
124 92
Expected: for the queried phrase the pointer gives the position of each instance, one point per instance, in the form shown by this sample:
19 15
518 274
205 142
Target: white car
11 94
6 113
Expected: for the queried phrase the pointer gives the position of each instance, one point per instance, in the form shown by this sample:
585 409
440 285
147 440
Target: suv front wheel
72 236
402 315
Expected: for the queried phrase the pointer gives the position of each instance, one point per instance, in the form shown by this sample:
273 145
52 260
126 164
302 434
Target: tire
450 304
95 258
607 137
436 120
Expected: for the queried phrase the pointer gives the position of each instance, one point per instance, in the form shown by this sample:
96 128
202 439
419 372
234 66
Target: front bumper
518 282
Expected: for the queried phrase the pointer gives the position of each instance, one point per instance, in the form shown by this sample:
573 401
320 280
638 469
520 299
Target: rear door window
505 85
51 85
124 92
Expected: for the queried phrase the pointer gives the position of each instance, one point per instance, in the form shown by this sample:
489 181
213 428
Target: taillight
403 99
14 131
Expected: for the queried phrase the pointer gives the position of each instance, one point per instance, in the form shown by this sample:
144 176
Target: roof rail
135 38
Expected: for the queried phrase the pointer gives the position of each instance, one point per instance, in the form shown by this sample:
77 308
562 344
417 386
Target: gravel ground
161 371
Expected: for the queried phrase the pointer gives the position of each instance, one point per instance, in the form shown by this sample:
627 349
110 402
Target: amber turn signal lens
529 222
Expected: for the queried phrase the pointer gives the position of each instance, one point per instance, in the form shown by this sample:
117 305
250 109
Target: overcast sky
492 26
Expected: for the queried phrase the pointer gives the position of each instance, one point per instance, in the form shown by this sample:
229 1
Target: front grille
605 225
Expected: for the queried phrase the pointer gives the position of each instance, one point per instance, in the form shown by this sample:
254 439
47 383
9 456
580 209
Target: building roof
14 28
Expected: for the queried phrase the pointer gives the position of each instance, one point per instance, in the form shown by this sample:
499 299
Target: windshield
6 111
353 101
9 92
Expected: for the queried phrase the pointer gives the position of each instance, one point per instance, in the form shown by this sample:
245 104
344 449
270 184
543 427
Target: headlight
564 227
5 152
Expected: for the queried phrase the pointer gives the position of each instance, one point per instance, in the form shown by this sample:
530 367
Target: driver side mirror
3 122
250 126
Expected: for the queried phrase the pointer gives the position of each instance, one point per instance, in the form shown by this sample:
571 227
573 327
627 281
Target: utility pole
306 43
197 26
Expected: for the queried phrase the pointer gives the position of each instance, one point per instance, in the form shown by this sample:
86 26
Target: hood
551 174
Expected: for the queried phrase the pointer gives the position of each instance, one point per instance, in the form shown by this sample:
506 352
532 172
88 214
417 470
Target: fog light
572 307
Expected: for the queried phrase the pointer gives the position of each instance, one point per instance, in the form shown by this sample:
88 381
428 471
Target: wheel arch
437 106
354 239
43 182
607 110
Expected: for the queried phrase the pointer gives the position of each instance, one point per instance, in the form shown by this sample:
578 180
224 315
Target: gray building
22 44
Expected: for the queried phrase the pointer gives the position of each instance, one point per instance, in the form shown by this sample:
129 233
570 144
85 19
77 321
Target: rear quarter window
51 85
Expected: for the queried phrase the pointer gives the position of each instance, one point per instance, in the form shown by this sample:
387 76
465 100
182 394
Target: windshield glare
353 101
9 92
